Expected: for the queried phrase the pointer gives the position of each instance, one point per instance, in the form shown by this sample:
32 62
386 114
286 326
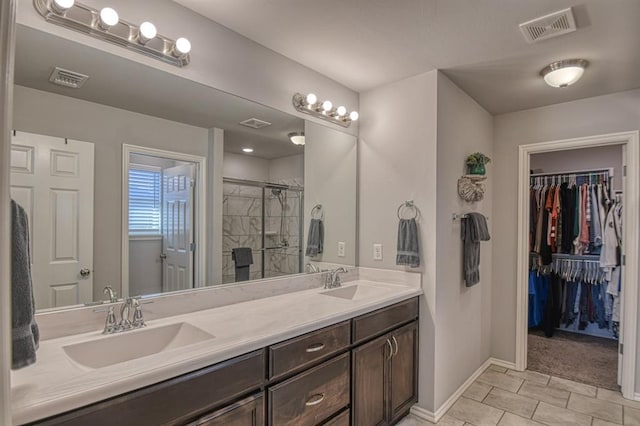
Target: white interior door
52 179
177 227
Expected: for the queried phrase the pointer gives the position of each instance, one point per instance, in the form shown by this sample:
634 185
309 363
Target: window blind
145 203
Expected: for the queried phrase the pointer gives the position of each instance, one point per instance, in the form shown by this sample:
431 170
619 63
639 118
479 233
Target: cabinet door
248 412
369 367
404 370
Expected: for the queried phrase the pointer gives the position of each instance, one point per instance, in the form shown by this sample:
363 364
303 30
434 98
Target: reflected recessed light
247 150
564 73
297 138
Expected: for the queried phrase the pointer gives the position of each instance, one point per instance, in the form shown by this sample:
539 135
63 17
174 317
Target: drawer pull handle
390 348
314 399
315 348
396 343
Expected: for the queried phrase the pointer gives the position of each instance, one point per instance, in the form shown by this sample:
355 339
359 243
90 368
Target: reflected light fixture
325 110
100 23
564 73
297 138
247 150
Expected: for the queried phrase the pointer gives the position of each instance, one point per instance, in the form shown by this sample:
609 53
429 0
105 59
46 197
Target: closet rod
575 172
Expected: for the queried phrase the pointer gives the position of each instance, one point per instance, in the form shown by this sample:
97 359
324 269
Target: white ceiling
121 83
367 43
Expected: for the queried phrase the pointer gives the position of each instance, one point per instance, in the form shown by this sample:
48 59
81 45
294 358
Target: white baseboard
636 396
432 417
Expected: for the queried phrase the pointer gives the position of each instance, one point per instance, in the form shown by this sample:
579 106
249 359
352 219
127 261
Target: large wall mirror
148 183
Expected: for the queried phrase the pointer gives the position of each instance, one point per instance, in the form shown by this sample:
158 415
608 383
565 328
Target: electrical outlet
342 248
377 252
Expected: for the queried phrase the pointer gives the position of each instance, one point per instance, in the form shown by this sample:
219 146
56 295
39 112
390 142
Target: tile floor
511 398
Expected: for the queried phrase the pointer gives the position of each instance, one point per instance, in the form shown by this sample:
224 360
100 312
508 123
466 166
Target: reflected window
145 204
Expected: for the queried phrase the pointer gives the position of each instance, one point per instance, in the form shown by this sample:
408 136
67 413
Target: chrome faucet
108 290
332 279
312 268
111 326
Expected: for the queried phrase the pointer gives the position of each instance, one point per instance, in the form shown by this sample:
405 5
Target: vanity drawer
299 352
378 322
341 419
248 412
312 396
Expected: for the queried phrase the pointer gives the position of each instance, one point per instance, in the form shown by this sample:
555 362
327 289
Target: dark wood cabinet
248 412
385 377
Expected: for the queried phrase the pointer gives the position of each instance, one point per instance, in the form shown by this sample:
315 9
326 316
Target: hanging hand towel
473 230
408 248
243 258
25 334
315 240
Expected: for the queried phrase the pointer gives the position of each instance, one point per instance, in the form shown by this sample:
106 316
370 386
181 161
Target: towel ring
409 205
317 209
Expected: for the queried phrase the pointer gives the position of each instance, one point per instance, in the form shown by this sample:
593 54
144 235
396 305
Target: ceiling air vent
552 25
68 78
254 123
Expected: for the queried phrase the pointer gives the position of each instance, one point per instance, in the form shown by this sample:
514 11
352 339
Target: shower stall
267 218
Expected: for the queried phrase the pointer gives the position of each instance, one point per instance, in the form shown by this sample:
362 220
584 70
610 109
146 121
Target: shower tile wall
241 227
283 261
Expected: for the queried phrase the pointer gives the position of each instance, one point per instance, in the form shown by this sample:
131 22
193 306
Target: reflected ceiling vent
254 123
552 25
68 78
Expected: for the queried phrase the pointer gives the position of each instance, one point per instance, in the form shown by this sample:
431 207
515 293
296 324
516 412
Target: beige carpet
577 357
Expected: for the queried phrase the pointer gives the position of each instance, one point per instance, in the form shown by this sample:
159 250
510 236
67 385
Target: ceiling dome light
247 150
61 6
342 111
181 48
148 32
327 105
297 138
311 99
108 18
354 115
564 73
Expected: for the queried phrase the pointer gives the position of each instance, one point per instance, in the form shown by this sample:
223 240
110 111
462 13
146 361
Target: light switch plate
342 248
377 252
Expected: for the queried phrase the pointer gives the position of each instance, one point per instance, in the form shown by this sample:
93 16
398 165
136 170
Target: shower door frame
270 185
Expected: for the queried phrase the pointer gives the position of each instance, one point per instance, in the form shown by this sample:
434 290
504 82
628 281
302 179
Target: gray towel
473 230
315 240
243 258
408 248
25 334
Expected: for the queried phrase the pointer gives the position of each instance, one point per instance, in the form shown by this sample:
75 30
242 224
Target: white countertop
56 384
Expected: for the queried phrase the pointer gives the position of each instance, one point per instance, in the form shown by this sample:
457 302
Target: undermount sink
134 344
355 292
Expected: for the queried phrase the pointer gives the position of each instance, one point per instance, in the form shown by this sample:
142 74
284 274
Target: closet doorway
568 281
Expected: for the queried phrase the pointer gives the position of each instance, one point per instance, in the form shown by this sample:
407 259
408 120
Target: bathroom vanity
342 356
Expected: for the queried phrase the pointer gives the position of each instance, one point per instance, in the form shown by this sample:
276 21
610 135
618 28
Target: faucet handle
110 325
138 319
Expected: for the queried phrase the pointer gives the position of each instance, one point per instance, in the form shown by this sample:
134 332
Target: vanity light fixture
325 110
564 73
247 150
297 138
105 24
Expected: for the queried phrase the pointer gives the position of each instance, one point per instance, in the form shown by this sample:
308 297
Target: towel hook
317 209
409 204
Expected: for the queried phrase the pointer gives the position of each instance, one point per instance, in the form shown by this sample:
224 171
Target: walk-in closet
575 263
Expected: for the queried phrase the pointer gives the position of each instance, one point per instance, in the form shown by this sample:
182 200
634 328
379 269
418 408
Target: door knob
85 272
163 256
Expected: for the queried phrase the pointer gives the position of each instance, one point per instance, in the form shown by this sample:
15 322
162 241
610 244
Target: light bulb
247 150
354 115
181 48
327 105
147 32
108 18
341 111
61 6
311 99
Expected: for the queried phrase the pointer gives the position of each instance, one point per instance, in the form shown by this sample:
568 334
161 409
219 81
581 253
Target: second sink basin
355 292
134 344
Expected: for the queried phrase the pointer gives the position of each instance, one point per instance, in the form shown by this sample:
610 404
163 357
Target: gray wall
108 128
463 326
330 180
599 115
397 162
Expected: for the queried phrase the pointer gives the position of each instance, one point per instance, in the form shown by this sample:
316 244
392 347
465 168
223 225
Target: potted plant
476 163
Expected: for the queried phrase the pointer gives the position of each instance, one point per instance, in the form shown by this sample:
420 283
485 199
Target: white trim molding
631 219
200 210
434 417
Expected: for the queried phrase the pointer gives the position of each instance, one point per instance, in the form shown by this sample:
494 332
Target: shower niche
266 218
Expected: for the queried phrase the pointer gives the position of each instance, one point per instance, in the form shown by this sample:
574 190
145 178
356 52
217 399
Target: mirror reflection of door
161 224
52 179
